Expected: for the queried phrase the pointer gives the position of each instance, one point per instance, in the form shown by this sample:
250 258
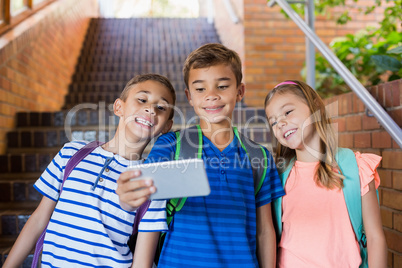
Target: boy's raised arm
266 239
132 194
33 228
145 249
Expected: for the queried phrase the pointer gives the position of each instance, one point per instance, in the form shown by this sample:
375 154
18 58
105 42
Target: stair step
15 192
84 98
13 220
133 67
136 51
122 77
148 57
135 25
90 115
100 115
146 39
115 86
50 140
20 207
45 141
16 163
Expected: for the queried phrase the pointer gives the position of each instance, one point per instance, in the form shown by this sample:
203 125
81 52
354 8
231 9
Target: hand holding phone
175 179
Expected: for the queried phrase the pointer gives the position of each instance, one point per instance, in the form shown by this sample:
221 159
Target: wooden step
133 67
83 115
13 220
47 139
115 86
16 163
101 115
122 77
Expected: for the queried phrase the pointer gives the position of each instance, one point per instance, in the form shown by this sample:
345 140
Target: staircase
113 52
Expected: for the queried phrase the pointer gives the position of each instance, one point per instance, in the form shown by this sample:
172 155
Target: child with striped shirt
87 226
232 227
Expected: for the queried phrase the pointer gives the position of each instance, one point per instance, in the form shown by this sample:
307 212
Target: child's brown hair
211 55
149 77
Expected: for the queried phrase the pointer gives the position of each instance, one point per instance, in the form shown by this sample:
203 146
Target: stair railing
379 112
229 8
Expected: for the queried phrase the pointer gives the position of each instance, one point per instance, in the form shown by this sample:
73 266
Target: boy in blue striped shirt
232 227
88 227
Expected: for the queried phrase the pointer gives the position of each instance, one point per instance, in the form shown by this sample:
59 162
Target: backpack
71 164
351 191
189 145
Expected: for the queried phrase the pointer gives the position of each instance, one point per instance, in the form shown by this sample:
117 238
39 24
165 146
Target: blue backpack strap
188 145
277 203
346 160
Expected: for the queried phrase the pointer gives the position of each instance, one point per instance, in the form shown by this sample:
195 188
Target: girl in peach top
317 231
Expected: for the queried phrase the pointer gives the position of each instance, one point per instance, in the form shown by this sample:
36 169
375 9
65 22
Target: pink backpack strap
71 164
132 241
140 214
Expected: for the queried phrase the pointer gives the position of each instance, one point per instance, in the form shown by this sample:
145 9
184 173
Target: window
18 6
1 12
13 12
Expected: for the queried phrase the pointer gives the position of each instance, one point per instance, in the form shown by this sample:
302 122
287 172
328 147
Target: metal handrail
231 11
379 112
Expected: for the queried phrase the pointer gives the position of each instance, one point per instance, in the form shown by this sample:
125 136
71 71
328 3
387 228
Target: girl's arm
266 239
145 249
376 244
30 233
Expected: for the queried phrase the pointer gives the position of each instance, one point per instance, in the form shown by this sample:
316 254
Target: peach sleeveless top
316 228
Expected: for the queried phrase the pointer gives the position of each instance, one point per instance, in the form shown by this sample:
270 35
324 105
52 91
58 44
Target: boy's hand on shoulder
133 193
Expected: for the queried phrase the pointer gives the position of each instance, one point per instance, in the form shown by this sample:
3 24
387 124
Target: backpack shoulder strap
351 190
346 160
78 157
188 145
139 214
258 159
277 203
71 164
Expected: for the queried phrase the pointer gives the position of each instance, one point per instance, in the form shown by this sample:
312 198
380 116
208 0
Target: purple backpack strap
140 214
71 164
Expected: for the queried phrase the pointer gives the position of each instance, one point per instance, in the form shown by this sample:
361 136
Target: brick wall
363 133
231 34
273 45
37 59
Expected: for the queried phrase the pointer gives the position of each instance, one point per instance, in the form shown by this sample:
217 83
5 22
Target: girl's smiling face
291 121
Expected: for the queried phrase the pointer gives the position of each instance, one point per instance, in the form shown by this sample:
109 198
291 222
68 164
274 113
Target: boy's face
146 111
213 93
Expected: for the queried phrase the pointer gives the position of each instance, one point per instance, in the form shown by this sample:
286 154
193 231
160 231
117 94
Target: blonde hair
326 176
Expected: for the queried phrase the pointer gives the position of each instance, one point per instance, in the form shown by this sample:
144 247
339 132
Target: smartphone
175 179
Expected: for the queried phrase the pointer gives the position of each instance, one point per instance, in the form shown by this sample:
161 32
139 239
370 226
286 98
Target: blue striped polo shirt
88 228
218 230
